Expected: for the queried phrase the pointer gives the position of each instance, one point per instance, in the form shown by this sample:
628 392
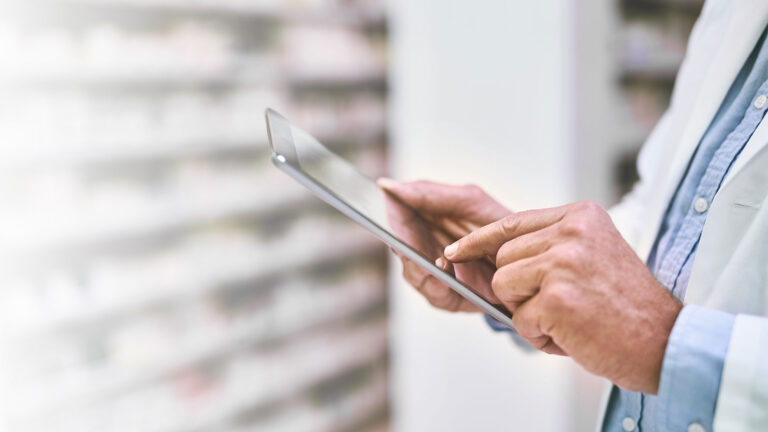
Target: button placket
696 427
628 424
701 205
761 101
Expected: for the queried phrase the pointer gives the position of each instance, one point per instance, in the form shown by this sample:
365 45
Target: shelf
650 72
240 11
348 354
155 150
250 334
340 352
363 407
143 236
242 269
683 6
87 237
159 81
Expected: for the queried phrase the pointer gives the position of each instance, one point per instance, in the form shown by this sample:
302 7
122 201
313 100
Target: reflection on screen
362 194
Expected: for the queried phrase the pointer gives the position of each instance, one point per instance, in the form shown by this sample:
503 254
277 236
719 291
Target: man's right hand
457 210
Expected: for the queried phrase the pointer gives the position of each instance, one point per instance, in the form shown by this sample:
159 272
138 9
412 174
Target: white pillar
481 93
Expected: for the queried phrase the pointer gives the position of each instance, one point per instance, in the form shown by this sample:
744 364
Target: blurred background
157 274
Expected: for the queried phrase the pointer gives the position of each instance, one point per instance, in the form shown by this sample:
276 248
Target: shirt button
761 101
696 427
701 205
628 424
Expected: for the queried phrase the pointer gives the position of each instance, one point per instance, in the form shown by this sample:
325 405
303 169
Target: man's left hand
575 287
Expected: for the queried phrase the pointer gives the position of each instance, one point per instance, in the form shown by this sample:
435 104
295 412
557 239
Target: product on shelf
159 274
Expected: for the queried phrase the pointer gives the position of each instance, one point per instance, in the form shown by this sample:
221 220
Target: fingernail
451 250
386 183
440 263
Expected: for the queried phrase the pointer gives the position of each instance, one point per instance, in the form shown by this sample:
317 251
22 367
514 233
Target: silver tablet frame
283 155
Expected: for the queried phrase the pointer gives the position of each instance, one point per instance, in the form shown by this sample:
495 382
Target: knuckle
503 255
498 282
568 255
508 225
574 227
556 298
590 207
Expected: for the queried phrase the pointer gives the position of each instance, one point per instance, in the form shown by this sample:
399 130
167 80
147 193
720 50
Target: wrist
668 312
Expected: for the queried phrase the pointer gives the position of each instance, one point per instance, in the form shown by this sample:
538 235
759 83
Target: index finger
488 239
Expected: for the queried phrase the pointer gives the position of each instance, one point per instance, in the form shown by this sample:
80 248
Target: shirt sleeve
516 338
692 368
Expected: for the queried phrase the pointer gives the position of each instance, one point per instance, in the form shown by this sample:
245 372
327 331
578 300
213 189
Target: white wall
482 93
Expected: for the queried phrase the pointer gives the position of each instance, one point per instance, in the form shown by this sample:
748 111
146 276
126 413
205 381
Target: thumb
441 200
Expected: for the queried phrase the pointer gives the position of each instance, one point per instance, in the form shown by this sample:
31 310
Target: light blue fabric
698 344
697 347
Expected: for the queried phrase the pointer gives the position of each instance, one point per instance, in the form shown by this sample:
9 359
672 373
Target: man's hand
456 211
575 287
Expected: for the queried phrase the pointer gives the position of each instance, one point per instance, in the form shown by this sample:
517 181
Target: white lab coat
730 272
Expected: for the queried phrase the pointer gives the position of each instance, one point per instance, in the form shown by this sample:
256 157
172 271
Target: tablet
340 184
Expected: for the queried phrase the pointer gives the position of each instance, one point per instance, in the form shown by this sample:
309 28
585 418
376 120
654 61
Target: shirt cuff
692 367
499 327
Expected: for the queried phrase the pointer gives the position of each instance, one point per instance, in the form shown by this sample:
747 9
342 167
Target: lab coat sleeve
743 398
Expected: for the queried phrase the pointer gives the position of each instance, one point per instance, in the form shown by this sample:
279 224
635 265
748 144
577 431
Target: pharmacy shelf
358 410
110 383
348 355
366 411
134 152
662 72
321 358
240 269
131 284
129 152
238 11
91 237
383 426
160 80
685 6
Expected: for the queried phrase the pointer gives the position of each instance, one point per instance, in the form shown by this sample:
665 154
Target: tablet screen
362 194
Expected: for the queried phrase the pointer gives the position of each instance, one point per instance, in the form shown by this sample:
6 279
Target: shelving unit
154 263
652 38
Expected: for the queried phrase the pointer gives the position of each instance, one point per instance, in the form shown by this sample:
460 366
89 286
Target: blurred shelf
141 152
110 383
361 409
158 81
684 6
309 363
365 412
240 269
235 11
176 234
88 239
347 356
128 152
650 71
383 426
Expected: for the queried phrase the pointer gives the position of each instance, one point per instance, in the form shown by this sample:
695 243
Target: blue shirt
698 344
693 361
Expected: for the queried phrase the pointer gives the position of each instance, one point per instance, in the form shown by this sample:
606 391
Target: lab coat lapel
759 140
724 42
739 34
